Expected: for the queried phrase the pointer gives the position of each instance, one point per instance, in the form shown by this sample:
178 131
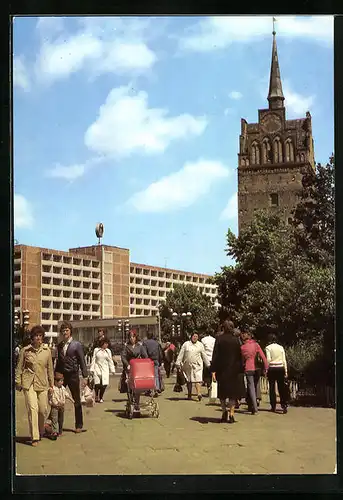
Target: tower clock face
271 123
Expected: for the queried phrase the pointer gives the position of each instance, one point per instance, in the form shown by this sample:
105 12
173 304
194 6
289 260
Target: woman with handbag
191 360
101 367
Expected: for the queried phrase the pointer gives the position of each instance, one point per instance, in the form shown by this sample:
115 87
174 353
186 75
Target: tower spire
275 95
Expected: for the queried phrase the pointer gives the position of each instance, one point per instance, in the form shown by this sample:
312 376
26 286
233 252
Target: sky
135 121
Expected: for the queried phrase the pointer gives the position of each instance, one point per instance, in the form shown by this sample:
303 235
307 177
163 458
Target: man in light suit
70 358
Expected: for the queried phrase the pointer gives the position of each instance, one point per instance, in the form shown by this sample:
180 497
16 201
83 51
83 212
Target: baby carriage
141 380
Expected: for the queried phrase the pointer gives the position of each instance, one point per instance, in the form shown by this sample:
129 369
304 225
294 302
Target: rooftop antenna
274 21
99 231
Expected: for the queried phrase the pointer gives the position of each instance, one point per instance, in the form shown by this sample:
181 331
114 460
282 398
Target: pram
141 380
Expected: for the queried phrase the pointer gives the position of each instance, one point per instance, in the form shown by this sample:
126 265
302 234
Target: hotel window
86 263
86 274
132 311
146 292
46 292
95 296
57 293
57 258
182 277
46 304
56 316
146 282
188 278
153 282
161 293
67 271
153 273
274 200
77 317
175 276
95 286
138 300
57 281
96 275
67 260
46 316
138 270
132 289
168 275
66 317
57 270
146 272
195 279
139 280
132 300
45 280
77 307
67 294
17 278
138 291
66 282
161 274
146 312
138 311
132 279
77 295
77 284
76 262
147 302
67 305
132 270
45 269
95 263
86 296
56 305
46 256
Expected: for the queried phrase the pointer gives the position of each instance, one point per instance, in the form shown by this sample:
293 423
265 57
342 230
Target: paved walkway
187 438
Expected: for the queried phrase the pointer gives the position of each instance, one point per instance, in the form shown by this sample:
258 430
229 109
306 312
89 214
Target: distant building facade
92 283
273 155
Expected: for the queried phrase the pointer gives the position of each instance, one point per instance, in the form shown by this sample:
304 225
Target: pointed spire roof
275 95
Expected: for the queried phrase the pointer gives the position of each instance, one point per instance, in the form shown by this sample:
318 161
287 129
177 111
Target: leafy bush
301 356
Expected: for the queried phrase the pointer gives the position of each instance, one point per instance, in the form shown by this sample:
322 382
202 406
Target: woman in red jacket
250 349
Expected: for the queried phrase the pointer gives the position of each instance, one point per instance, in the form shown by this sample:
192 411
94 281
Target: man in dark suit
70 358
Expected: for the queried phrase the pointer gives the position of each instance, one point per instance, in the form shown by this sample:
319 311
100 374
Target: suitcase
142 375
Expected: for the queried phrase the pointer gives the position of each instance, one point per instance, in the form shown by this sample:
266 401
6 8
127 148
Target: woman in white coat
101 367
191 360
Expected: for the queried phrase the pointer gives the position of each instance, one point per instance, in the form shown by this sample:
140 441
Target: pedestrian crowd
229 365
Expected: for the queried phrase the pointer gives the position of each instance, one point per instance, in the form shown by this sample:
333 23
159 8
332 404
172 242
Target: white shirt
66 345
208 343
276 356
59 395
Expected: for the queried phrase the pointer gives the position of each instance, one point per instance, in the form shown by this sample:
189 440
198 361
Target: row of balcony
49 272
165 274
70 261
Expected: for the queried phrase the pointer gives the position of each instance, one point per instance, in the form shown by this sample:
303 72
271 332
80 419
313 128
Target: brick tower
273 155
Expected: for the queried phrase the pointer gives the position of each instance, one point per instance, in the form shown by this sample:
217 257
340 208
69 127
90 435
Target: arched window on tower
266 151
255 154
289 150
277 150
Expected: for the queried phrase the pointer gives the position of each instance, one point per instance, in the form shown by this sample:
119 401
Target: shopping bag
213 391
87 397
177 388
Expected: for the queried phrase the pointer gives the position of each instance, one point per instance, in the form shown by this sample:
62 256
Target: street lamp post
21 322
181 326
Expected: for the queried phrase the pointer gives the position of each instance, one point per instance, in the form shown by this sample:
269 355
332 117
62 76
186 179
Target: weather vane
99 231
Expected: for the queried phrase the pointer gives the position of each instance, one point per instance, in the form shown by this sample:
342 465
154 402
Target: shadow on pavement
177 399
205 420
114 411
23 440
119 400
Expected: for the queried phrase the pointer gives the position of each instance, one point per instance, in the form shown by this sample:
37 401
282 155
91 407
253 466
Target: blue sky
135 122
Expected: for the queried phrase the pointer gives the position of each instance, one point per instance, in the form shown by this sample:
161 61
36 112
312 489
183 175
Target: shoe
189 396
101 401
97 400
199 397
77 431
53 437
273 409
60 434
284 410
224 416
34 443
232 419
254 412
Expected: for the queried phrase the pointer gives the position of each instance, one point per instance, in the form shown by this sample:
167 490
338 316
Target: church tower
273 155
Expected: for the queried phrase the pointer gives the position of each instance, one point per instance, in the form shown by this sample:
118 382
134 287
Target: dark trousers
167 367
57 418
72 381
252 381
99 390
277 375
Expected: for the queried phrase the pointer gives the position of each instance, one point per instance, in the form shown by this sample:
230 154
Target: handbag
213 391
177 388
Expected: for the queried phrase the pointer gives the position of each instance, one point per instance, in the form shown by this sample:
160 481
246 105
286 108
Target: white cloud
23 217
70 172
231 209
296 104
180 189
20 75
214 33
113 45
126 124
235 95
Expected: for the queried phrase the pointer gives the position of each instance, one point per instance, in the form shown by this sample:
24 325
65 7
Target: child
57 399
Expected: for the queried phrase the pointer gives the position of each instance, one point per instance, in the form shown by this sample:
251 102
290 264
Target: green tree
186 298
314 216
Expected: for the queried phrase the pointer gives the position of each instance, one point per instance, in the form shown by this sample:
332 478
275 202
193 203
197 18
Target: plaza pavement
187 438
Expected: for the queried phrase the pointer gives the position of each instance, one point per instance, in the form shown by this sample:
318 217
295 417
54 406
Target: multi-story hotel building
89 283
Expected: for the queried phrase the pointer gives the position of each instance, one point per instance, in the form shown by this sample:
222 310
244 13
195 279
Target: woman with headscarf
35 376
226 369
190 361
